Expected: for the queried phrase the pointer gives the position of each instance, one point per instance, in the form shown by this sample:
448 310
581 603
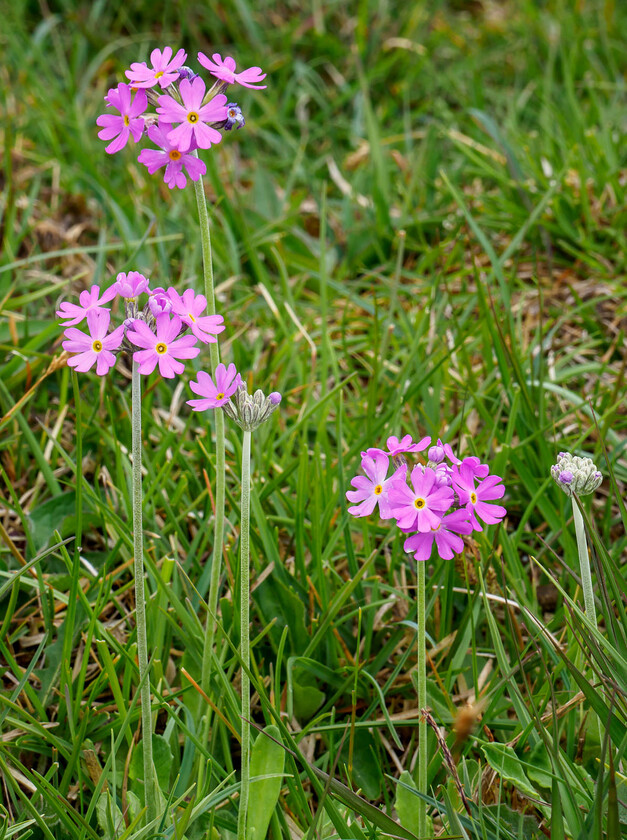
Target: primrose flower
225 71
477 500
164 70
189 307
445 536
169 156
420 509
192 115
213 396
159 301
131 285
163 347
95 346
128 123
234 117
372 489
90 301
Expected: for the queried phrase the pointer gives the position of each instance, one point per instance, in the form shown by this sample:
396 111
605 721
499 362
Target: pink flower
159 301
170 157
225 71
476 499
193 116
406 444
445 536
420 509
227 382
189 308
373 488
89 302
164 71
131 285
95 347
130 121
479 470
164 347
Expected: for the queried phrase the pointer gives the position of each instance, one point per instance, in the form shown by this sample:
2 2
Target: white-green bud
250 411
576 475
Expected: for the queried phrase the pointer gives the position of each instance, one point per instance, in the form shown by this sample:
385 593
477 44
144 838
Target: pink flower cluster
166 329
187 116
433 503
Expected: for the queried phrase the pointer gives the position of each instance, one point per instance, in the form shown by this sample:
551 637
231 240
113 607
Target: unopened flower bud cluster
575 474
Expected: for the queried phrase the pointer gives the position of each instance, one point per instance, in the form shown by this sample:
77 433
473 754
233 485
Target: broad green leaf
267 763
407 803
504 760
162 758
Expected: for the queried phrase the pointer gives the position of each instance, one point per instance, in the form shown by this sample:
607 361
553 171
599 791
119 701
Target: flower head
169 156
163 72
225 71
445 536
192 115
189 307
128 124
90 301
398 446
249 411
234 117
159 301
576 475
477 500
96 346
215 395
372 489
131 285
420 507
163 348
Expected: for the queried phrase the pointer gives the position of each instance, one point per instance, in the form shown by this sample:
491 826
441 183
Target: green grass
421 229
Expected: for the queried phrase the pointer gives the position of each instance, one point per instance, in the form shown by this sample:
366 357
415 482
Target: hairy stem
218 539
140 602
244 559
584 563
422 701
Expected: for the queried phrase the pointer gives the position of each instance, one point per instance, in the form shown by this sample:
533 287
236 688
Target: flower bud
436 454
576 475
250 411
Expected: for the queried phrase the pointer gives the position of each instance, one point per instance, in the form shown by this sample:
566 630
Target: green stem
216 560
244 559
422 701
140 602
584 563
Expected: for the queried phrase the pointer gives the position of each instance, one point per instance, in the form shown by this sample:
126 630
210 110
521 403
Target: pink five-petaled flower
420 509
131 285
227 382
192 115
225 71
372 489
164 70
129 122
189 307
164 347
95 347
89 302
170 157
445 535
476 499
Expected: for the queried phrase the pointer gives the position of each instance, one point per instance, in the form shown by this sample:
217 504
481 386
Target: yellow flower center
220 396
174 155
158 74
161 348
473 498
378 490
419 504
127 122
96 346
192 117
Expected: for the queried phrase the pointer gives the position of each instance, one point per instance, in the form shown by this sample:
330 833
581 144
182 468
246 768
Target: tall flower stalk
140 601
422 701
435 504
218 533
227 391
244 563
